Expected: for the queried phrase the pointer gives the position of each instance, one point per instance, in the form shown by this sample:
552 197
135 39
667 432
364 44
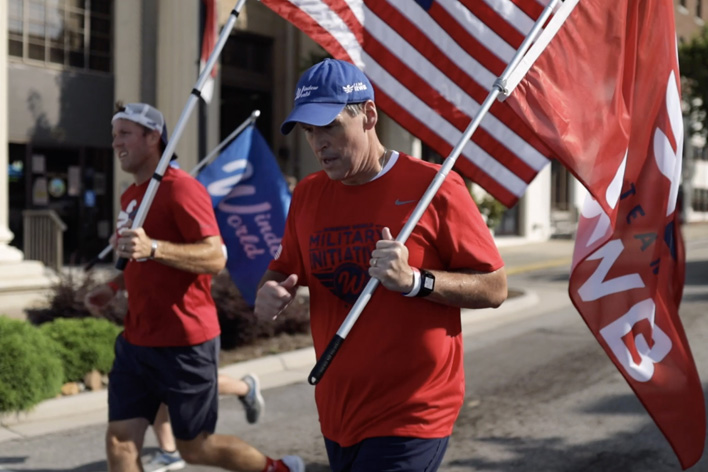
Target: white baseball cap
145 115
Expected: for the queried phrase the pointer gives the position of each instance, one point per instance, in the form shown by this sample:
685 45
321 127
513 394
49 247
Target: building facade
691 18
65 63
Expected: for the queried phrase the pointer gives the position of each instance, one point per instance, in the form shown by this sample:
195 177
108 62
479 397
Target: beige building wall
177 48
688 24
126 57
177 72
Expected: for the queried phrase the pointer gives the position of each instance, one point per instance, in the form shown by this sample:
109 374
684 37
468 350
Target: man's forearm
469 289
204 257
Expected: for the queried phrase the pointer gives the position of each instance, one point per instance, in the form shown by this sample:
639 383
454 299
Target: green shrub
30 370
84 344
491 209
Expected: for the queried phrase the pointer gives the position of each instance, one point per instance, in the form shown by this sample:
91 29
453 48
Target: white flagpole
498 88
215 152
181 123
203 163
549 32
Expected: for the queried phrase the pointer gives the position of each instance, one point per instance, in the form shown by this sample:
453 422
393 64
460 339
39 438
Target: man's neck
146 173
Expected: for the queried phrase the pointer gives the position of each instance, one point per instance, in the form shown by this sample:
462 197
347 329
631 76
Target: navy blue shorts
184 378
387 454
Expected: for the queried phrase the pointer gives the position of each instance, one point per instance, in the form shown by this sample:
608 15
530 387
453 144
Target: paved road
541 396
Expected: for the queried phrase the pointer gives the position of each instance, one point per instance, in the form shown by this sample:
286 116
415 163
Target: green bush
491 209
30 370
84 344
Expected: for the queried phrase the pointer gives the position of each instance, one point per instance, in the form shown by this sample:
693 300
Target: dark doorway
247 82
75 182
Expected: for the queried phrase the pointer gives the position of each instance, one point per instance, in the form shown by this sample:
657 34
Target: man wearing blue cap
169 349
391 396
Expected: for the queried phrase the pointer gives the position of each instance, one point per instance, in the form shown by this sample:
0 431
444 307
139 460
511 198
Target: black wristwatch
427 283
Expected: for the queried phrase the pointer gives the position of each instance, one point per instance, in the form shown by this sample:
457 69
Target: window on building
68 33
682 3
699 8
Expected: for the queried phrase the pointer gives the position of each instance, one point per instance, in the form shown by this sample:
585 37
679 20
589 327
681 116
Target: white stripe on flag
474 27
512 14
444 129
440 82
439 36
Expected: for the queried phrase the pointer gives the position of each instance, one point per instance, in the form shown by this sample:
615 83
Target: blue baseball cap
324 90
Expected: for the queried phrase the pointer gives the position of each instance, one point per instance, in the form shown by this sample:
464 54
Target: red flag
433 62
209 38
604 96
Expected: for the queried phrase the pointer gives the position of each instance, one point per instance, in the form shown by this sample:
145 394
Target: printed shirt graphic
400 370
167 306
339 258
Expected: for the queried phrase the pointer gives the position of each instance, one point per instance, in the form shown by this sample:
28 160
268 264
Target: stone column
7 253
21 282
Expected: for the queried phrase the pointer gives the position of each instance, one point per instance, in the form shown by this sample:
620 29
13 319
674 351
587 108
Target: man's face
342 148
132 145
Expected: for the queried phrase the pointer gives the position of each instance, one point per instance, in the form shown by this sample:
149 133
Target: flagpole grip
121 263
322 364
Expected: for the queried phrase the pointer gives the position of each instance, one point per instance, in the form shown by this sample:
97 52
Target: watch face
428 282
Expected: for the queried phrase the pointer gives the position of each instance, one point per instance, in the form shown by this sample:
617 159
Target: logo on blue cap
324 90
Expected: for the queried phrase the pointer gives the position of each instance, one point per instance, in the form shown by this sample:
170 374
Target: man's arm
469 289
202 257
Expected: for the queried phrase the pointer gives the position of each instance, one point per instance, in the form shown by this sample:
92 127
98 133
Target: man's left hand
389 264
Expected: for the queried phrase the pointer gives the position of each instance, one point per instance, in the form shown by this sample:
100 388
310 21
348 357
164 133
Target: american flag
209 37
432 63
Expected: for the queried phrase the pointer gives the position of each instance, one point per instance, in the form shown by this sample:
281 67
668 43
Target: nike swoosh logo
404 202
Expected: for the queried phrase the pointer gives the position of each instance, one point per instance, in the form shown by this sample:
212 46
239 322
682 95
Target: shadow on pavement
555 455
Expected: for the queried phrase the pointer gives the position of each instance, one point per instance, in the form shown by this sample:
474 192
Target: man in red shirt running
168 352
391 396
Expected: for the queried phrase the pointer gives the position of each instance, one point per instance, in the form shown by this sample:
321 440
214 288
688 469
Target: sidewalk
65 413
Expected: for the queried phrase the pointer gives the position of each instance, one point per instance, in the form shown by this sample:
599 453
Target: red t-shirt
168 306
399 372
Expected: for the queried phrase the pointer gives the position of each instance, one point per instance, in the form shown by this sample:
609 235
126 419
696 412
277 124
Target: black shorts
387 453
185 378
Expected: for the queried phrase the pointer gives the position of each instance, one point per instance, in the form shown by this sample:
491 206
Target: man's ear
371 115
154 138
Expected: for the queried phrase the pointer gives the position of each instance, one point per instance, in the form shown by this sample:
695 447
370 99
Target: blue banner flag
251 200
